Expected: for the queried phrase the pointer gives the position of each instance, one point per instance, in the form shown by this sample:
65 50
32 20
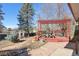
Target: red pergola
63 21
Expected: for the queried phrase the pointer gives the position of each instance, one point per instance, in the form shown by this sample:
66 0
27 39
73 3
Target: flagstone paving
52 49
62 52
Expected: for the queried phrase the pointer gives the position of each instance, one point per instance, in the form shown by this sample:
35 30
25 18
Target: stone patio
52 49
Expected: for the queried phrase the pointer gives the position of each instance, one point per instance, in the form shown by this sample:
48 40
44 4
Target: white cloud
12 26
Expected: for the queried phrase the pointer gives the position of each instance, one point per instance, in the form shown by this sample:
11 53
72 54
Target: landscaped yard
29 47
21 48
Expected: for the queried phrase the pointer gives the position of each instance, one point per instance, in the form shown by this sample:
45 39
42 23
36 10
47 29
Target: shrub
2 36
32 34
12 37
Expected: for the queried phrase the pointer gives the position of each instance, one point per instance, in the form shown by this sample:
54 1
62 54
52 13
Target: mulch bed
37 44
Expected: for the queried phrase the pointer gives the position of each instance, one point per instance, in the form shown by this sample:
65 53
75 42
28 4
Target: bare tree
53 11
1 18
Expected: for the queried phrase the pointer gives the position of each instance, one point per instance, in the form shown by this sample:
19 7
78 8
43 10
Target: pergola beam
74 7
53 21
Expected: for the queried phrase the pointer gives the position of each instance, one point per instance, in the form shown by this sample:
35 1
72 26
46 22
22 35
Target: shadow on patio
70 45
15 52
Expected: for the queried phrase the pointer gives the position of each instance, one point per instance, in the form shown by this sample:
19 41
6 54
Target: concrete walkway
52 49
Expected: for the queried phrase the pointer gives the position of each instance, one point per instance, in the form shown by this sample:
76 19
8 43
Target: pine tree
1 18
25 17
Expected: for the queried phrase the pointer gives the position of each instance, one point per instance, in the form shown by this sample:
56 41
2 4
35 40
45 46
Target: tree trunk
76 46
28 32
28 28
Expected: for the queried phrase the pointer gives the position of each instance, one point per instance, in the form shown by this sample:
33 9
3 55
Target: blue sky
10 17
11 11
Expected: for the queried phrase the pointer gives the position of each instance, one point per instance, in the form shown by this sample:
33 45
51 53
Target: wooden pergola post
68 30
39 26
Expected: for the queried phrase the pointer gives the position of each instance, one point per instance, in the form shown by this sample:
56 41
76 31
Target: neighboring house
34 30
